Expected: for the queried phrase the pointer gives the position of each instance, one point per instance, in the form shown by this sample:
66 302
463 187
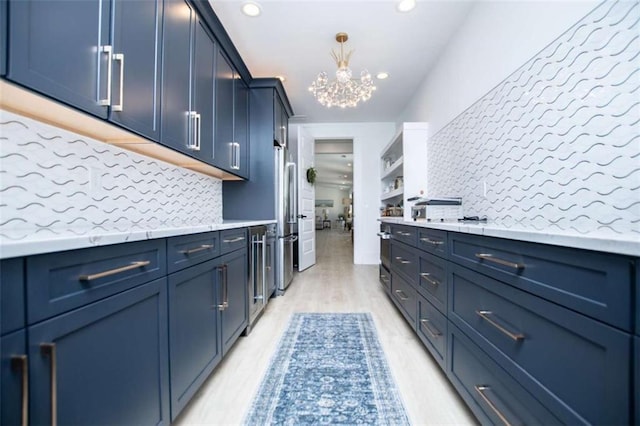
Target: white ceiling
294 38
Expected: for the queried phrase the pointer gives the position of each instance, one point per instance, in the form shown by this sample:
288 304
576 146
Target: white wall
368 141
533 113
495 40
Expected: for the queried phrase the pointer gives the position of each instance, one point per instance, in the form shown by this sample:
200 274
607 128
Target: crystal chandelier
344 91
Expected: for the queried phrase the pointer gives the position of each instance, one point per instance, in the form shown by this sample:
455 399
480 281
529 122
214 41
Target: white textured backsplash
54 182
556 146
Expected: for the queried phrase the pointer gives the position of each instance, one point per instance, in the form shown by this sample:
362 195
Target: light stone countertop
38 244
624 244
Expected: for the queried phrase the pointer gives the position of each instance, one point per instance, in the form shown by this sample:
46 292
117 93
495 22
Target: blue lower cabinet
432 330
405 298
492 394
637 381
194 320
579 368
236 312
105 363
14 374
12 312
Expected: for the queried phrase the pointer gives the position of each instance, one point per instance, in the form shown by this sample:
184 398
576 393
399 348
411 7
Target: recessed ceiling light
382 75
281 78
349 164
251 8
405 5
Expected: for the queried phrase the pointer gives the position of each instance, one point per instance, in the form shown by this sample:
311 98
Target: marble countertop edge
38 244
623 244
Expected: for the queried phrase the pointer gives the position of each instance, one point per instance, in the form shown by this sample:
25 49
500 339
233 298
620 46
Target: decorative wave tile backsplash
556 146
54 182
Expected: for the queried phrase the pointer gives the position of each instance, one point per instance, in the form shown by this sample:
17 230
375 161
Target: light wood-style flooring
334 284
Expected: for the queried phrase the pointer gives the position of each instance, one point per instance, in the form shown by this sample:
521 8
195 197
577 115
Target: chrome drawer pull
233 240
384 278
401 294
430 241
490 258
49 350
426 277
485 315
425 323
197 249
134 265
19 362
404 234
402 260
481 389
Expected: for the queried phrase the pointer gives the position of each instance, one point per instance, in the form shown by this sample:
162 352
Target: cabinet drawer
232 239
188 250
577 367
385 278
58 282
595 284
406 234
434 241
432 282
493 396
404 260
11 295
404 296
432 330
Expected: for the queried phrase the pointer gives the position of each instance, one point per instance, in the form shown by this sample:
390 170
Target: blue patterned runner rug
328 369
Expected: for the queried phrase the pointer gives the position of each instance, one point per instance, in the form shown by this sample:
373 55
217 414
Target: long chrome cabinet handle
481 389
20 362
430 241
107 101
134 265
192 124
427 277
426 324
198 124
197 249
233 240
401 295
225 270
221 277
404 234
235 155
49 350
403 261
120 58
485 315
491 258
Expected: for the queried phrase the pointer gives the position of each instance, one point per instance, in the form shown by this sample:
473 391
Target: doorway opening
334 166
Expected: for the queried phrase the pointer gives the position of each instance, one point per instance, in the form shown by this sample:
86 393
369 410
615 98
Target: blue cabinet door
241 127
194 313
12 312
137 27
3 37
107 362
203 84
236 314
14 374
176 75
59 48
224 113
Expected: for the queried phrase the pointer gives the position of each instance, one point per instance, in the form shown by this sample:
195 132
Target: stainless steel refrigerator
286 216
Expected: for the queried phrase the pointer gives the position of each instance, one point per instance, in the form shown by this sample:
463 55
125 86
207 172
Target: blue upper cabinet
135 65
61 49
99 56
231 118
3 37
187 82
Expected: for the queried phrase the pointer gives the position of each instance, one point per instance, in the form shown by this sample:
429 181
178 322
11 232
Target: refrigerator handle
293 193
